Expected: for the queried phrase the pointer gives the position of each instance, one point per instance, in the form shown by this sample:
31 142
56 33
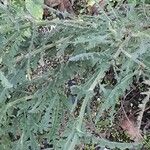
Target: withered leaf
63 5
130 127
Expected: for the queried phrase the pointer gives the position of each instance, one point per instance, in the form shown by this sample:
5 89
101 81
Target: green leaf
34 7
4 81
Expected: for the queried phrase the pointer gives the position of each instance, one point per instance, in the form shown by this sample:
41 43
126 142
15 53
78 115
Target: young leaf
34 7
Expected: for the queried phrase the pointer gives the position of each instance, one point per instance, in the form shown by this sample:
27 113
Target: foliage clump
95 58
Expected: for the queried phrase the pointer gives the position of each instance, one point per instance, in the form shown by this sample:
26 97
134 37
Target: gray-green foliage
34 107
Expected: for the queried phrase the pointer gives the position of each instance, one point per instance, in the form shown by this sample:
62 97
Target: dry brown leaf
66 6
52 3
93 10
130 127
63 5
